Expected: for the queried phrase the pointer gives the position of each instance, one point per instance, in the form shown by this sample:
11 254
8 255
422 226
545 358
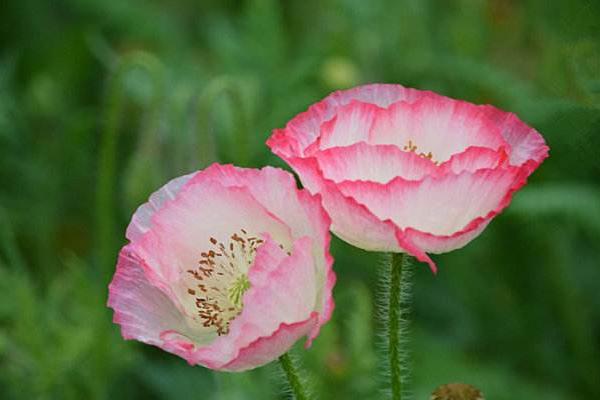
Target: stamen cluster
220 280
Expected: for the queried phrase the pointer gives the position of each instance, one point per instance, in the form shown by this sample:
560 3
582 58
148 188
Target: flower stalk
397 310
294 379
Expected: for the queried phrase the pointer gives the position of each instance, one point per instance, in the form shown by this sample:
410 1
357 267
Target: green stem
398 287
293 377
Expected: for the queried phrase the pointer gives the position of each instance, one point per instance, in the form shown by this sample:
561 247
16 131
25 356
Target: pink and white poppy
226 267
404 170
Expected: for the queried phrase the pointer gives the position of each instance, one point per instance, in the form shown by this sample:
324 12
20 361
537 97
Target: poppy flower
226 268
404 170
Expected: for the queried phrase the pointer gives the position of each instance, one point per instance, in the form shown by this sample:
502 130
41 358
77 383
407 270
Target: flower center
412 148
219 282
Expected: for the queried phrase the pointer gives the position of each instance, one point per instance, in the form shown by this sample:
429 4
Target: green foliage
101 102
56 342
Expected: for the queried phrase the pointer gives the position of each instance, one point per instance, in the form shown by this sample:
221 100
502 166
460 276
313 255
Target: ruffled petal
142 218
299 215
526 144
323 260
436 205
473 159
268 348
143 311
300 132
435 244
376 163
350 125
435 125
380 94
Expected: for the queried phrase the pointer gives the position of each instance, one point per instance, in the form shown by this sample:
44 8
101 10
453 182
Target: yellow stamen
412 148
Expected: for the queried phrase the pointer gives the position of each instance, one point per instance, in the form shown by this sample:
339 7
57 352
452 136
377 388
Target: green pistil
237 290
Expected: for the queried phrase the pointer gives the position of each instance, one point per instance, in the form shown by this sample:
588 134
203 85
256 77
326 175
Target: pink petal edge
131 294
274 345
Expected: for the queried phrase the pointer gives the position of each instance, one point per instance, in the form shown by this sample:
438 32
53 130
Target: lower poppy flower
226 267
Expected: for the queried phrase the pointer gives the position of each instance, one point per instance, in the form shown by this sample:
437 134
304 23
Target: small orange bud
457 391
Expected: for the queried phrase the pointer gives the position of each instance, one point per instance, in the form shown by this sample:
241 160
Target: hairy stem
293 377
398 286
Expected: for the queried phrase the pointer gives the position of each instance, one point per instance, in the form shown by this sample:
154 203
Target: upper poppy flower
404 170
226 267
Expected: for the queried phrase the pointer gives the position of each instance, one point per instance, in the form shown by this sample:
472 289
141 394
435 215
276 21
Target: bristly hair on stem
393 301
297 382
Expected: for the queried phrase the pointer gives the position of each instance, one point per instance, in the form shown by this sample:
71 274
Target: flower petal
350 125
442 244
142 218
302 131
267 348
285 204
437 125
436 205
376 163
142 310
380 94
472 159
526 144
323 259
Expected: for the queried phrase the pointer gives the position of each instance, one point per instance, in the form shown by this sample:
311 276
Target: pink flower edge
277 343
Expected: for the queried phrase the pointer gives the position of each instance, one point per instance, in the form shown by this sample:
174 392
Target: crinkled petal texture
405 170
226 267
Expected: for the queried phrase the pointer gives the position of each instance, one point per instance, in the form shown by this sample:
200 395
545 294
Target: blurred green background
103 101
